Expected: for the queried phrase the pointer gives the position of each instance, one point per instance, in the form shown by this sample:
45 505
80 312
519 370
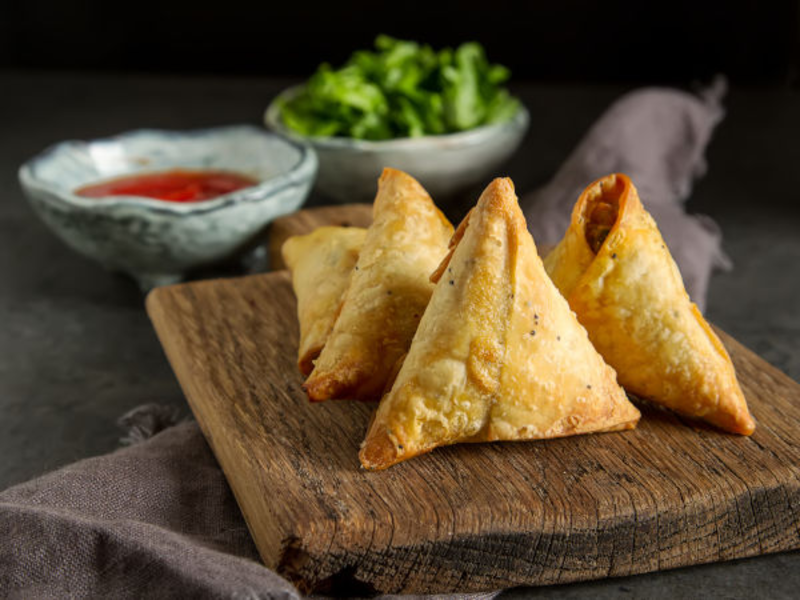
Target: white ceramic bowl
444 164
157 242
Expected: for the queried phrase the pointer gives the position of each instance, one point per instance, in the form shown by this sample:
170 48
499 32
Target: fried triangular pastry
321 264
388 292
619 278
498 354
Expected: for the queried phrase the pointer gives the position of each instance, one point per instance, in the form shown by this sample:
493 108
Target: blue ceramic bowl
157 242
444 164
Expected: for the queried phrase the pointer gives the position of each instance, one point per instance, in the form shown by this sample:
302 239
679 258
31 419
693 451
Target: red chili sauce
177 185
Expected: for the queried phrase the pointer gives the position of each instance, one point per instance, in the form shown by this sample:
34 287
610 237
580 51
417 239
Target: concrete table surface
77 349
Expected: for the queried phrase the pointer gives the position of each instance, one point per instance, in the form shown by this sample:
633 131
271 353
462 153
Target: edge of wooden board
318 554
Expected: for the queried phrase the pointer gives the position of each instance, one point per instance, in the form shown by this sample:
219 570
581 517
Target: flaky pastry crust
387 295
620 279
498 354
321 264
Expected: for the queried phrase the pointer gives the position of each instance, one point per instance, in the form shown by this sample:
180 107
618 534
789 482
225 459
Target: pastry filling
602 211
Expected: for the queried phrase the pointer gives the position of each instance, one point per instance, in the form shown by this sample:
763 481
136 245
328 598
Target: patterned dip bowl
154 241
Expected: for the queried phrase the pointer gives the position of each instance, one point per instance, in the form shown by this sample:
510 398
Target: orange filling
602 210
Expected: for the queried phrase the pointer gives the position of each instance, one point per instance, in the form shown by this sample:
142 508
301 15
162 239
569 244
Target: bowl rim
476 135
265 190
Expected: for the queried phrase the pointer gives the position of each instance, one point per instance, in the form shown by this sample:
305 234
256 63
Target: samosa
498 354
388 292
321 264
619 277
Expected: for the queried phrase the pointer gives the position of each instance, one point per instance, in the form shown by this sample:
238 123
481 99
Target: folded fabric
152 520
156 519
657 137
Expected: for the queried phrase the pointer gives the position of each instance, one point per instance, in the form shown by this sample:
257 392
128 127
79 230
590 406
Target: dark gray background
752 41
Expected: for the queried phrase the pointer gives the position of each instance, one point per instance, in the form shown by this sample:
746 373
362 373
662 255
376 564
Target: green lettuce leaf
402 89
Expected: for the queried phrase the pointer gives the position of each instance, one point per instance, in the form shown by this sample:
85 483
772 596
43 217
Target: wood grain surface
469 517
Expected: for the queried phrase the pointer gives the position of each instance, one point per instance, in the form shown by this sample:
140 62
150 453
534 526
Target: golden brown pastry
498 354
388 292
321 264
619 278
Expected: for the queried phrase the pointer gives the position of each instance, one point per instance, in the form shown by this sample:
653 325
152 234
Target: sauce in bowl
176 185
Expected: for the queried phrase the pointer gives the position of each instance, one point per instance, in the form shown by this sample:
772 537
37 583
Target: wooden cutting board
469 517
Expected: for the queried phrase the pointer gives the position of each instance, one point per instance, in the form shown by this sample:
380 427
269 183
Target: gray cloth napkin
157 519
657 137
153 520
